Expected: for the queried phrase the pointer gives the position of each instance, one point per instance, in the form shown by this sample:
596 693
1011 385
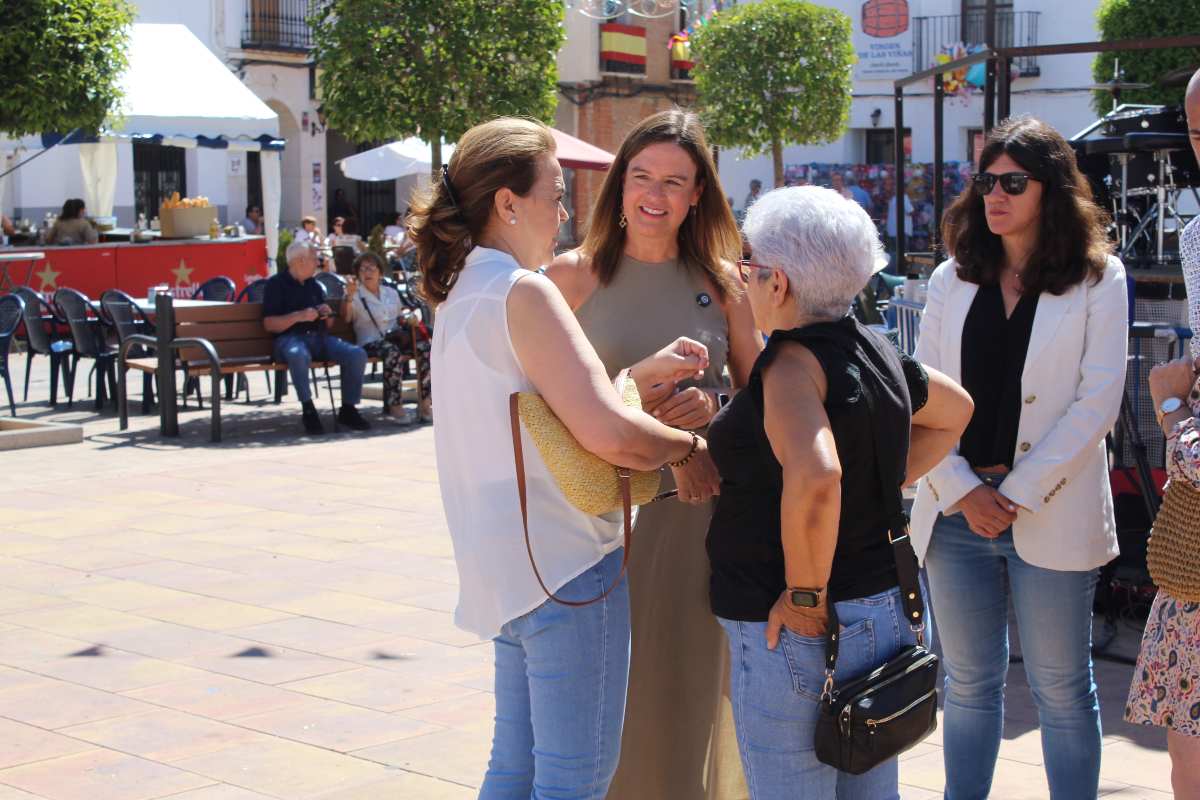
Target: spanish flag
625 43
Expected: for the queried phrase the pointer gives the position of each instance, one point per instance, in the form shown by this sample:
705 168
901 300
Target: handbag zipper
846 710
873 723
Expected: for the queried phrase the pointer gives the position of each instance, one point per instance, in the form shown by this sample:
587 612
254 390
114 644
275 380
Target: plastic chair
253 293
41 338
125 316
220 289
12 309
332 284
87 333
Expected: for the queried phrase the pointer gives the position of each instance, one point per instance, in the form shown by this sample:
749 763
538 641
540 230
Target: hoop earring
621 221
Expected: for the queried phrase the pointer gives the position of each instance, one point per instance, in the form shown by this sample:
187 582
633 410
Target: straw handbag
589 483
1173 554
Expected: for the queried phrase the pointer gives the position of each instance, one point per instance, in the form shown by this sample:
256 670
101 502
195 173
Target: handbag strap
907 568
367 308
624 478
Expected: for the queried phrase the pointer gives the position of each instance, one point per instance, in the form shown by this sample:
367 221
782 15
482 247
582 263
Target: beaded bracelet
695 444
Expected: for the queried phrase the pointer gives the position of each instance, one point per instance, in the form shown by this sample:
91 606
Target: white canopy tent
177 92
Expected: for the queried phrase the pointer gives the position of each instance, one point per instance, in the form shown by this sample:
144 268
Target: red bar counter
182 264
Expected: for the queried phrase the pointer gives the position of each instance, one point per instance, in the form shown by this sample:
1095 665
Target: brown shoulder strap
514 417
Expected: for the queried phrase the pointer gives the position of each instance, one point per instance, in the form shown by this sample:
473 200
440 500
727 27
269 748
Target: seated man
294 309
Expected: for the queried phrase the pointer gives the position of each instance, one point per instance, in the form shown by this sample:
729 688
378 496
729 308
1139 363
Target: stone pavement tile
16 543
336 726
921 749
418 658
170 522
434 626
402 784
123 595
1126 762
22 646
379 585
214 511
385 559
348 609
16 600
379 689
1013 780
101 667
219 697
310 635
916 793
87 558
476 711
217 791
173 574
459 756
270 664
12 678
446 600
77 621
163 735
1024 746
24 744
173 642
284 769
101 774
45 578
13 793
209 613
1114 791
313 548
189 548
258 591
71 705
352 528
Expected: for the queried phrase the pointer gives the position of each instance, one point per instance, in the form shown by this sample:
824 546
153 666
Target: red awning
578 154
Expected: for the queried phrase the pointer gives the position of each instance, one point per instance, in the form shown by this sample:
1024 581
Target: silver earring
512 220
621 221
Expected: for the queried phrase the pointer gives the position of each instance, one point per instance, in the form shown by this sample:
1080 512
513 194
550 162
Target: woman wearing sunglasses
830 413
1030 316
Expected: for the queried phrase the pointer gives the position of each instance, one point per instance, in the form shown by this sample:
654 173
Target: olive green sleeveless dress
678 741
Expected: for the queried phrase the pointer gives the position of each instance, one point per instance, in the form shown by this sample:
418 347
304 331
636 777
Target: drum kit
1139 166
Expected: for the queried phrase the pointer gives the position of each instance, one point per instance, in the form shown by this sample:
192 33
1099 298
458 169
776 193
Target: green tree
1145 19
390 69
772 74
60 61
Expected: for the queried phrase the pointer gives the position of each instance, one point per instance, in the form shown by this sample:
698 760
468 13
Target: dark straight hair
1072 243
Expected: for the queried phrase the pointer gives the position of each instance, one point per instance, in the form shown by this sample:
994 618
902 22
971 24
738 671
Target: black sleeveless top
744 538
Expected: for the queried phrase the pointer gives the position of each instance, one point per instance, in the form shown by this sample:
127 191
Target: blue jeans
299 350
967 578
776 693
561 676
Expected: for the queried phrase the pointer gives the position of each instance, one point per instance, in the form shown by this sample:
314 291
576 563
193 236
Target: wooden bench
215 340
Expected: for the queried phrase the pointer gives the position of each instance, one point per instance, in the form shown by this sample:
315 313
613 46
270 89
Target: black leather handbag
875 717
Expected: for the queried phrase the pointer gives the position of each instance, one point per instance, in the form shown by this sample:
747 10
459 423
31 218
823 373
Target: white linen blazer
1072 386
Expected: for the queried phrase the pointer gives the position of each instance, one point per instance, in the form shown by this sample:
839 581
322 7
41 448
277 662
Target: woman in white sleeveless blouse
561 671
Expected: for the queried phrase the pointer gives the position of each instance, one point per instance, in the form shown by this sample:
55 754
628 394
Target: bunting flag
624 43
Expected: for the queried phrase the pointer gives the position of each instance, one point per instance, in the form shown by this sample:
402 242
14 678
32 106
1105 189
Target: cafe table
8 269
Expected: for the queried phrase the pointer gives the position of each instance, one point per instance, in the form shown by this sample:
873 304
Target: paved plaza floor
271 618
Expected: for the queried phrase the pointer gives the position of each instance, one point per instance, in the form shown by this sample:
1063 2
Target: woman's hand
697 480
988 512
680 360
688 409
800 621
1173 379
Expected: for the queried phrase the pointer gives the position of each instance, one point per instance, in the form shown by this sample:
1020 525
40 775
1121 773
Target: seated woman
73 226
802 518
381 327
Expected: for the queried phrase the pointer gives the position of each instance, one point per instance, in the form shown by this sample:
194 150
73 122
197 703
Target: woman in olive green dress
657 264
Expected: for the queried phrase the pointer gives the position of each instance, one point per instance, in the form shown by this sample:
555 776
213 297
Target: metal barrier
908 323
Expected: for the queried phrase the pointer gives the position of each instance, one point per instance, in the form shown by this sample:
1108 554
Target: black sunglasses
1013 183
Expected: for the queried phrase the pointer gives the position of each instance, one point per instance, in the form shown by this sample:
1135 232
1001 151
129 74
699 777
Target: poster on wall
318 193
883 40
237 164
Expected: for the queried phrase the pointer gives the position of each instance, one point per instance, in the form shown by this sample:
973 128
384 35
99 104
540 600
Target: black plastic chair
253 293
332 284
87 333
343 259
12 309
122 312
41 323
220 289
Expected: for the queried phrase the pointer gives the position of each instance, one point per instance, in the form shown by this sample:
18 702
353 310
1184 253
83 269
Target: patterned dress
1166 682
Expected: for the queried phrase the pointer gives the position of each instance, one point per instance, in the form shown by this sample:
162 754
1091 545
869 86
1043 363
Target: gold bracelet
692 452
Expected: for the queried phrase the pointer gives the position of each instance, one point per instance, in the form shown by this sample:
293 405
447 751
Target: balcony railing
280 25
1013 29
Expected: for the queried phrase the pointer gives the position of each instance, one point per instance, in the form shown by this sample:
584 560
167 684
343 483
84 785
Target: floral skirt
1166 682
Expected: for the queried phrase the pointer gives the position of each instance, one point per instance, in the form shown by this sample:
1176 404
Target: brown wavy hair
1072 244
706 238
445 221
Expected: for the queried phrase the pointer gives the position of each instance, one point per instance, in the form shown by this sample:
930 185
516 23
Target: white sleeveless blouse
475 370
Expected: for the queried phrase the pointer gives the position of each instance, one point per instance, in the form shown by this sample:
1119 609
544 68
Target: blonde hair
447 219
706 238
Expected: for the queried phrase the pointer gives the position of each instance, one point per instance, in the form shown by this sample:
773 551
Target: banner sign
883 40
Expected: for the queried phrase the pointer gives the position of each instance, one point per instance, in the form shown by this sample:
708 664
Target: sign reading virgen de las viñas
883 38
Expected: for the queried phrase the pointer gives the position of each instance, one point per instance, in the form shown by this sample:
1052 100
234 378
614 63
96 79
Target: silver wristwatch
1168 406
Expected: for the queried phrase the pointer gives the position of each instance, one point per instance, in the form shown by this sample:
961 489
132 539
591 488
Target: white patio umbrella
394 160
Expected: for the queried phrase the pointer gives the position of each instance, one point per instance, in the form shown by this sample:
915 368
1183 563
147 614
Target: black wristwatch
805 598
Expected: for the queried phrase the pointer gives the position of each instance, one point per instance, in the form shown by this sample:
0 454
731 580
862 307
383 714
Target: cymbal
1117 86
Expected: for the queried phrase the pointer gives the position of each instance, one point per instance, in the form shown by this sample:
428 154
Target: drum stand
1165 195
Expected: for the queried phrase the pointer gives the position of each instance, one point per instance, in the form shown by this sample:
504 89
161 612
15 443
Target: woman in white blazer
1031 317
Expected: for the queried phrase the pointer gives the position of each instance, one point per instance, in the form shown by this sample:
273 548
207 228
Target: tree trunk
777 157
435 149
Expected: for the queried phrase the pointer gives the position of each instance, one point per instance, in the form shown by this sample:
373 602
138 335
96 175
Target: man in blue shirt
294 309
